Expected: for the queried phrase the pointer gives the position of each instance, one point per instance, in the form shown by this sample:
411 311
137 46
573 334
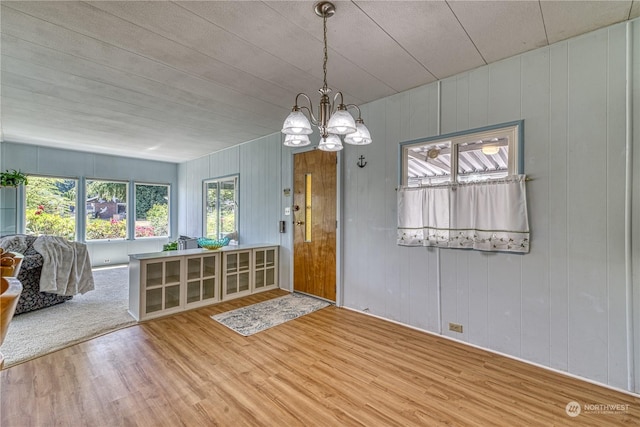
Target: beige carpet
84 317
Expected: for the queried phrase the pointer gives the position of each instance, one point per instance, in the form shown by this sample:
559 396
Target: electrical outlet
455 327
107 261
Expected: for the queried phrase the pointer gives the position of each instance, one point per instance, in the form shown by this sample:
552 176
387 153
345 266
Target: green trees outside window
221 207
51 206
106 208
152 210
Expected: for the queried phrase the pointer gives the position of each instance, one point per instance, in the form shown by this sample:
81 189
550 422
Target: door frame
339 217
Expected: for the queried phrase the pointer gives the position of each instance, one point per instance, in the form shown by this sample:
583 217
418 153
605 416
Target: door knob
296 208
299 222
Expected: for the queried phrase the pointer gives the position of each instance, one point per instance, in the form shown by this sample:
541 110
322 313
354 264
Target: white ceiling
174 81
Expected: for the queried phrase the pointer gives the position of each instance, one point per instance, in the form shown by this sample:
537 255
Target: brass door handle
299 222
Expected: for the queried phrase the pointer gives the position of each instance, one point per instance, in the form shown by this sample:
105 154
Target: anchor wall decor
361 163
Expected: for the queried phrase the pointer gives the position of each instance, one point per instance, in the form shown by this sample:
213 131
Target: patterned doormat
264 315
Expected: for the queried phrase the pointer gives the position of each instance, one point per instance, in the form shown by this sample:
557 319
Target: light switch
287 210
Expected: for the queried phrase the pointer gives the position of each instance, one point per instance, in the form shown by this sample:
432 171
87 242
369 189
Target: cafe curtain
487 215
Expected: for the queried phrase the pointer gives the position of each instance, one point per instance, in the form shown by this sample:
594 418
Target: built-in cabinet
237 274
161 291
265 269
249 271
202 280
164 283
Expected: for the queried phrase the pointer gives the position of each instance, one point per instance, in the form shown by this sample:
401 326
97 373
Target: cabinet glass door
232 284
172 296
162 285
172 273
271 277
232 263
209 266
244 265
193 291
154 274
153 300
201 279
264 275
271 258
243 282
258 281
237 273
209 288
193 268
244 261
259 259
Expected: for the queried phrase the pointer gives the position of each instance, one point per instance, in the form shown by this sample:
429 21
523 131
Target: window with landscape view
51 206
106 208
221 207
152 210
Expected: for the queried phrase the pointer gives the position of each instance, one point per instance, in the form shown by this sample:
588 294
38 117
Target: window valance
488 215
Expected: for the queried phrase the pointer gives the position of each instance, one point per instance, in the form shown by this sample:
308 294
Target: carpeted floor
263 315
85 316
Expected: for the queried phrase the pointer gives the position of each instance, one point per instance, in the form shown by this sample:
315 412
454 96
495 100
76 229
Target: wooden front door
314 223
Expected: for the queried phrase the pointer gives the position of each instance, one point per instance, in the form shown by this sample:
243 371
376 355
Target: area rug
264 315
84 317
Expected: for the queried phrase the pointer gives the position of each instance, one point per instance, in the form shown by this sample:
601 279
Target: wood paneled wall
259 165
564 304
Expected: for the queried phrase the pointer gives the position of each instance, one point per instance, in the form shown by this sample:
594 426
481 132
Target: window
221 207
106 206
152 210
51 206
475 155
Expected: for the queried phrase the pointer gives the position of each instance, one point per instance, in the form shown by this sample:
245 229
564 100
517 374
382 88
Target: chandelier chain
326 56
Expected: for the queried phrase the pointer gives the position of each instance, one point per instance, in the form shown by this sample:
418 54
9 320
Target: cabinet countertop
199 251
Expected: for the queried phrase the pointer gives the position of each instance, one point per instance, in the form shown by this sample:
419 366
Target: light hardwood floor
333 367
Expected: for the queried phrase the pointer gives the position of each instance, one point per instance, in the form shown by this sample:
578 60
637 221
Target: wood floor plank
334 367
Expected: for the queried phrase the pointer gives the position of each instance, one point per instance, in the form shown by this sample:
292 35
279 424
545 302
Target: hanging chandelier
332 119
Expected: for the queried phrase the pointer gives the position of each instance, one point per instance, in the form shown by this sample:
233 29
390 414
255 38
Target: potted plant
12 178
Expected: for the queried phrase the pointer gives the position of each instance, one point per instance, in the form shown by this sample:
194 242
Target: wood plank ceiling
175 81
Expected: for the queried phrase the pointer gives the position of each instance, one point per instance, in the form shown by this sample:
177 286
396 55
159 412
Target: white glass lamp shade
296 140
297 123
341 123
360 137
330 143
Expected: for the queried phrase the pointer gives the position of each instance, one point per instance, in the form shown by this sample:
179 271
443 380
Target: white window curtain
488 216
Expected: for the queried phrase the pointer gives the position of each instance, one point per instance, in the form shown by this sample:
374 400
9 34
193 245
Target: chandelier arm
309 109
357 108
335 106
312 118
